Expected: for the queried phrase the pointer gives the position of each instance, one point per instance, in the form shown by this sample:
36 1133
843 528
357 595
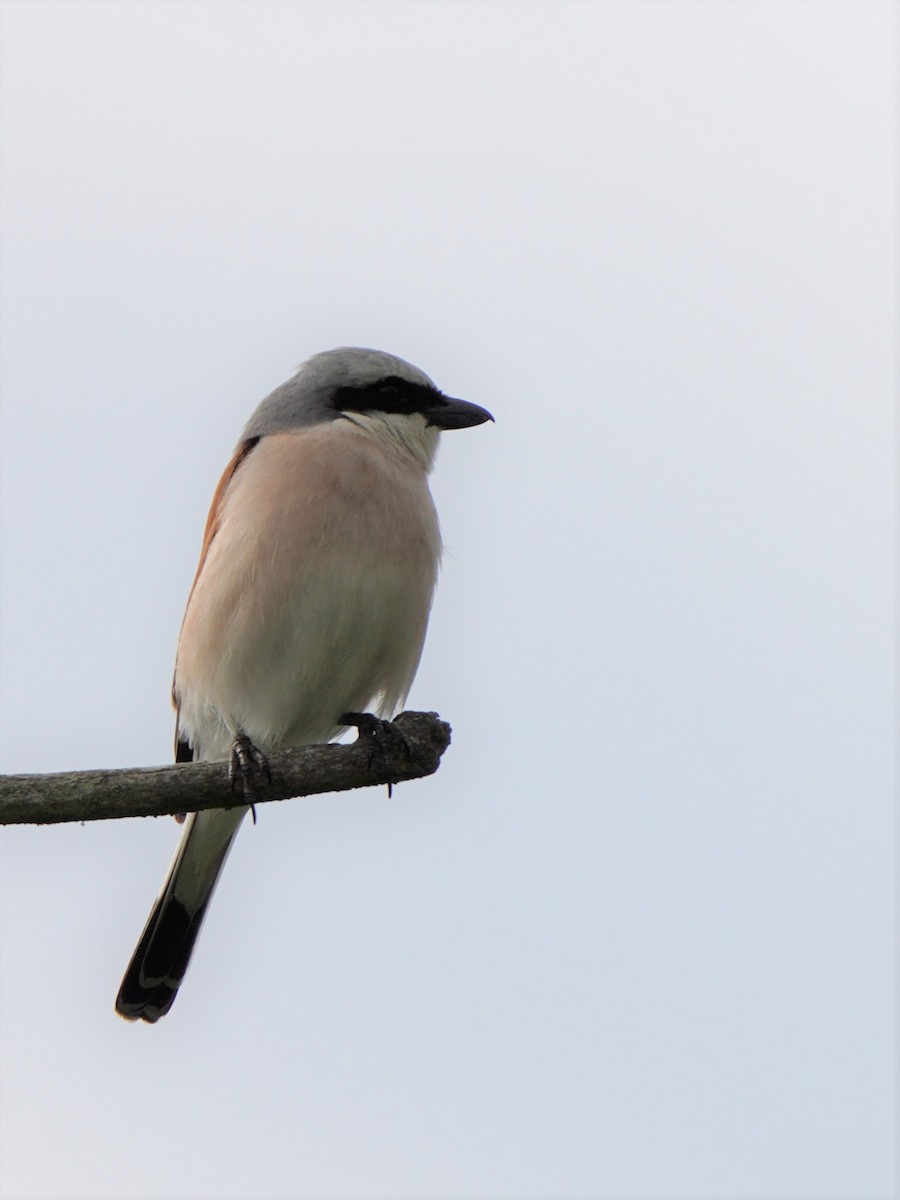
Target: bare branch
190 787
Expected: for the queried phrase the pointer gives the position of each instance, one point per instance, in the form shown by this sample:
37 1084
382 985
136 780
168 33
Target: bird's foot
385 741
248 766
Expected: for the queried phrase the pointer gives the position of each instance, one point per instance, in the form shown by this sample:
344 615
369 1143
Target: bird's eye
387 391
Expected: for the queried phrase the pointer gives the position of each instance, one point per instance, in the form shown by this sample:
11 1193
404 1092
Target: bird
309 606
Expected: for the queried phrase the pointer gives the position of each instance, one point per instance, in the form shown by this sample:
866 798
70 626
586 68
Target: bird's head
375 390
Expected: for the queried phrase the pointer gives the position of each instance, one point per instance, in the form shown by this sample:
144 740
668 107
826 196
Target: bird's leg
384 739
247 765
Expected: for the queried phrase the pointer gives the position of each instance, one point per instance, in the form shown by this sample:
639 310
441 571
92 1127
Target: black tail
161 958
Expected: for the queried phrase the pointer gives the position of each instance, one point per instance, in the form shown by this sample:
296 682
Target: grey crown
305 399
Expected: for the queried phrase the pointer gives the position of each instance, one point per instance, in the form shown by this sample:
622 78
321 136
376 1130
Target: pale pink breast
314 595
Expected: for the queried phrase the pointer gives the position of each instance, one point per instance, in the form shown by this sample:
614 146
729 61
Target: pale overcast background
636 938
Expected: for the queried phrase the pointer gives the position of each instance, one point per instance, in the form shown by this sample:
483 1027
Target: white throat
409 432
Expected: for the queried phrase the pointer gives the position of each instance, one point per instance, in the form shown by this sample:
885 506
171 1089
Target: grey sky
636 939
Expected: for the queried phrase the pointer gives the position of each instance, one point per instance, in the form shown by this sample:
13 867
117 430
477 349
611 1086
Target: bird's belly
299 616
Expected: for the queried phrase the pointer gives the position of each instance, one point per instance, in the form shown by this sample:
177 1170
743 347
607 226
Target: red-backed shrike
310 602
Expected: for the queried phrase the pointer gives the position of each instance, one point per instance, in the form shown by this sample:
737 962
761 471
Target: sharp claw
384 740
246 764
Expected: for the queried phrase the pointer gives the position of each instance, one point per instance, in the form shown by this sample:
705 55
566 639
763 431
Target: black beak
449 413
